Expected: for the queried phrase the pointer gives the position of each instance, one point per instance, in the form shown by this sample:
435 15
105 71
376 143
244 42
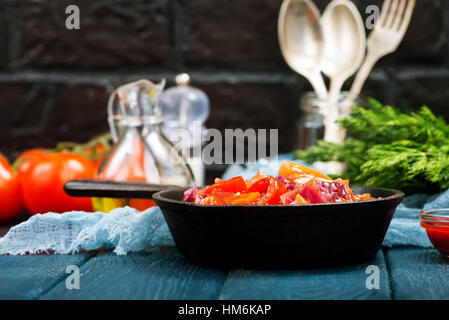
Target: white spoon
344 50
301 41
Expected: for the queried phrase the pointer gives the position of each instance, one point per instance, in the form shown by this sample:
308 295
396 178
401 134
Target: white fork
388 33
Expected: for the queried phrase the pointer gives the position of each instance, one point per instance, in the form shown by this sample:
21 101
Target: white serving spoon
301 41
344 50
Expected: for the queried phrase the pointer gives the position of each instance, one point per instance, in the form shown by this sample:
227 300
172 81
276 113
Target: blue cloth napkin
127 230
123 230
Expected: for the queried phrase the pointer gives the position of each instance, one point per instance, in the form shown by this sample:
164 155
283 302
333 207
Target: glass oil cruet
140 152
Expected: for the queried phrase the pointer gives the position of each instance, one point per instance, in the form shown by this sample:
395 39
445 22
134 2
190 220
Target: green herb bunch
390 148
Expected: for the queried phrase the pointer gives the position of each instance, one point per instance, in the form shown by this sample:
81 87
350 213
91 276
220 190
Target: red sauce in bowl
436 223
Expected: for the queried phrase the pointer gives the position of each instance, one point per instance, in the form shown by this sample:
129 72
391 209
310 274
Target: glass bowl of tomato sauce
436 223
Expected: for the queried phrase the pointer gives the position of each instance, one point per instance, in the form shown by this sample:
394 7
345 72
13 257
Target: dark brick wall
54 82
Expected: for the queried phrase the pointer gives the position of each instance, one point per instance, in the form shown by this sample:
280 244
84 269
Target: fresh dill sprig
376 123
390 148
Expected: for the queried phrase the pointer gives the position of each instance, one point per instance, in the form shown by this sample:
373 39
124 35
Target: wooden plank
418 273
27 277
333 283
161 274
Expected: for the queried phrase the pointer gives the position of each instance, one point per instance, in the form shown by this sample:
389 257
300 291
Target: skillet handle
113 189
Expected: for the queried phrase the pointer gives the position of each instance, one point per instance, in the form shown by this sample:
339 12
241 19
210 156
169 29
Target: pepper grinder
185 110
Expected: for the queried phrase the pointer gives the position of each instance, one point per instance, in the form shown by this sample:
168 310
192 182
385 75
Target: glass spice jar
312 123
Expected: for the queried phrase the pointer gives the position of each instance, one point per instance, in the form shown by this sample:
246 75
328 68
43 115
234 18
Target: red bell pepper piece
261 185
212 201
300 200
274 192
243 199
234 185
260 175
292 171
290 197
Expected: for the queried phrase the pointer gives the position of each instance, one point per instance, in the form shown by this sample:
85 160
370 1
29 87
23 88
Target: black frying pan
287 236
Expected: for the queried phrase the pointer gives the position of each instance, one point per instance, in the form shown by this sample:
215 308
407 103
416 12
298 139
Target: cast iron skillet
282 236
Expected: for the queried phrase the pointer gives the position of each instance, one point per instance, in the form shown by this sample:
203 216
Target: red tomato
25 159
96 154
141 204
11 205
42 183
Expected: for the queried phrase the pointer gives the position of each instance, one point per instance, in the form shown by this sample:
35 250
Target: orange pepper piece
242 199
292 171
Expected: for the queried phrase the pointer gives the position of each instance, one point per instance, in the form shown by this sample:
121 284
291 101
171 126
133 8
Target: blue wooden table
404 273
